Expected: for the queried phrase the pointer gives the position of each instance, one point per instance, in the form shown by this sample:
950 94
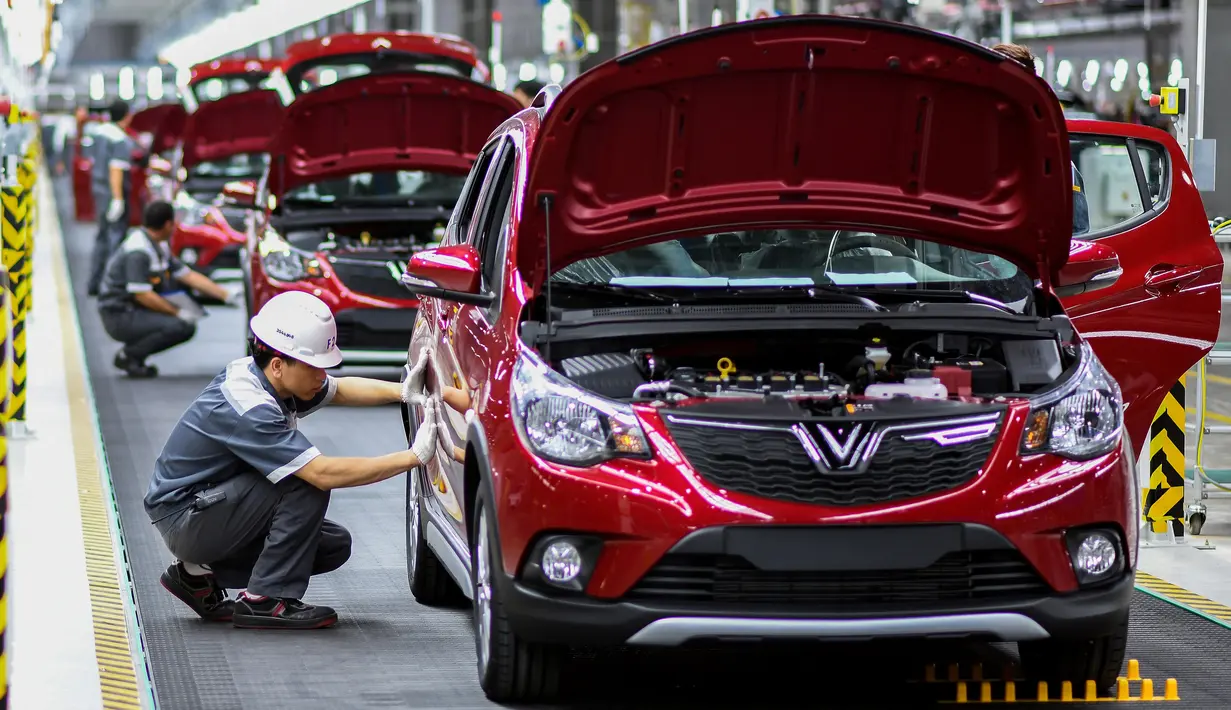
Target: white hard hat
301 326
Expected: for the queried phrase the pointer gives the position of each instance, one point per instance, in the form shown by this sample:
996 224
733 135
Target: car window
326 71
1153 166
776 258
495 214
463 213
1109 184
216 88
244 165
392 187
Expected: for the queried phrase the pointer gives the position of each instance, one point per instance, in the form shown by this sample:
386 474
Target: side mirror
1091 266
452 273
241 193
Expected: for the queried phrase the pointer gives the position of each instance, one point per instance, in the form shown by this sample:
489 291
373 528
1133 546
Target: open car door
1163 313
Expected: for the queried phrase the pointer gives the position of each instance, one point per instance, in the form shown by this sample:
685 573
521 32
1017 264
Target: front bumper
541 617
825 582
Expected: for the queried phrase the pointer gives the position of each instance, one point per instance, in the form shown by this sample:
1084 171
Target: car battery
987 377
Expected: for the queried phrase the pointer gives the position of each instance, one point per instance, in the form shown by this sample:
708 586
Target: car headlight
188 211
283 262
561 422
1081 419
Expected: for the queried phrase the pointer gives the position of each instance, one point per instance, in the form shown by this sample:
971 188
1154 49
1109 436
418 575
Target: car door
436 328
472 331
1162 315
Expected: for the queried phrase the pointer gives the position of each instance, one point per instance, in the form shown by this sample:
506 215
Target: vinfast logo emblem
840 445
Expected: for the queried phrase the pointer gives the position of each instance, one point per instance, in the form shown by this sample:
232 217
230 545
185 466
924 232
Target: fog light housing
562 562
1097 555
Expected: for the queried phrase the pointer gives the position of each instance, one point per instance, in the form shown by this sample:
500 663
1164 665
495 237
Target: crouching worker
142 303
239 494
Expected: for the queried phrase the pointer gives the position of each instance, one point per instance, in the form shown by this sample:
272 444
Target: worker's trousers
106 241
264 537
144 332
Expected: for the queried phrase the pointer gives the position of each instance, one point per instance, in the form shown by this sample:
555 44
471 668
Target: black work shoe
274 613
132 368
202 594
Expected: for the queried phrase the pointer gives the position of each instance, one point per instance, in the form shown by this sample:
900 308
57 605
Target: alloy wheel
483 593
412 521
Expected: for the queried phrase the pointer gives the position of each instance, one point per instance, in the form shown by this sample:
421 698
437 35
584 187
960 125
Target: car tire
510 669
1077 660
430 583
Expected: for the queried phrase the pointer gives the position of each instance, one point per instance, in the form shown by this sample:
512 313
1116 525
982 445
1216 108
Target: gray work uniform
111 148
240 440
141 265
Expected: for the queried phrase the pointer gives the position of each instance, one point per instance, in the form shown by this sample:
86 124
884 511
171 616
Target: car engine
380 240
938 366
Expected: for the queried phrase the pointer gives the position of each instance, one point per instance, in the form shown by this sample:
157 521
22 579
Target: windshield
803 258
236 167
395 187
217 87
310 76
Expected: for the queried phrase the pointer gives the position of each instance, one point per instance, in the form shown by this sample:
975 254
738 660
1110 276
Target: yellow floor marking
1184 597
116 670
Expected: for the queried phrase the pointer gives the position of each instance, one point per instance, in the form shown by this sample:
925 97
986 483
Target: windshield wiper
614 291
925 294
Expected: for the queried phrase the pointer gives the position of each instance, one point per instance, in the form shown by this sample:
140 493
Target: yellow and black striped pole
27 175
1163 500
4 503
13 221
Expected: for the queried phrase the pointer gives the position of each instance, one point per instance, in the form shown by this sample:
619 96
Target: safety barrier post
4 503
28 176
14 233
1162 500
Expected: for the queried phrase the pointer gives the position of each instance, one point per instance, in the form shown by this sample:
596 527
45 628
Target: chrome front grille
837 462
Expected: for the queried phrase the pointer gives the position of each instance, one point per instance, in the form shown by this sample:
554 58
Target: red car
224 140
312 64
715 361
220 78
363 173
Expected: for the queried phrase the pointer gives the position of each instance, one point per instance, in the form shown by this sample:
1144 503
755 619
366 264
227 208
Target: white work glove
412 387
115 210
424 445
190 317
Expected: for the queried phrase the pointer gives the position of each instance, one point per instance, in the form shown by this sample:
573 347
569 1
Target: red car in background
211 81
223 140
364 172
770 374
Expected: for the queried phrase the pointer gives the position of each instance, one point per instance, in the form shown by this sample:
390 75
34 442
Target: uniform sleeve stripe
299 462
140 288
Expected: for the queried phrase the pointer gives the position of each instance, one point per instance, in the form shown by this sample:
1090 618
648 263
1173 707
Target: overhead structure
253 24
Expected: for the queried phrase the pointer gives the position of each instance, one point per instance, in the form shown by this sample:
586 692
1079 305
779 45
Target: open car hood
411 121
165 122
235 124
832 121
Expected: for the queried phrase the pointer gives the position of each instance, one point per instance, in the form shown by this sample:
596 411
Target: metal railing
1200 484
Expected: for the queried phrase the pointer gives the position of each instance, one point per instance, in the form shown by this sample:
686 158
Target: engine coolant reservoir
921 386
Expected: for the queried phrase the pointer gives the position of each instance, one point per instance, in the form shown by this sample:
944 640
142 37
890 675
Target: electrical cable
1198 466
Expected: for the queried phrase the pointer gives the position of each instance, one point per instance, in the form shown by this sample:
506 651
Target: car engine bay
793 365
369 240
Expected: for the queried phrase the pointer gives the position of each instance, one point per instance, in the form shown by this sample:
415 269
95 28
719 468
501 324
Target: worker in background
239 494
142 303
526 91
110 180
1081 207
